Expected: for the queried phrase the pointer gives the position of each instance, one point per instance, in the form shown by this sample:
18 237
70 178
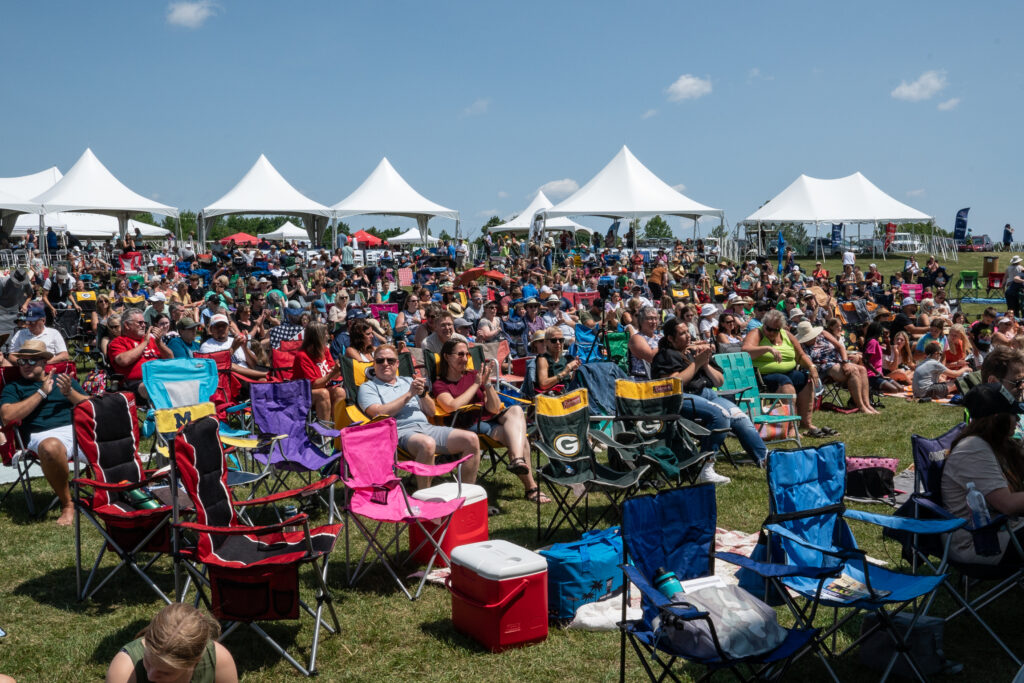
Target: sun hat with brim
708 310
455 310
33 348
986 400
1015 260
375 324
538 336
805 331
908 301
796 312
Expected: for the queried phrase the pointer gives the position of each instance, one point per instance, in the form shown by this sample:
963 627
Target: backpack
871 477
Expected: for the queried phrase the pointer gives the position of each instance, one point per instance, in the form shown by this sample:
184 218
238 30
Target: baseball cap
908 301
158 296
34 313
992 398
217 319
187 323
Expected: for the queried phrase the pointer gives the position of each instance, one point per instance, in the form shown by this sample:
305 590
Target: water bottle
979 508
140 498
667 582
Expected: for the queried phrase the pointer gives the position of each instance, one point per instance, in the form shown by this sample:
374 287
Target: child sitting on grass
932 379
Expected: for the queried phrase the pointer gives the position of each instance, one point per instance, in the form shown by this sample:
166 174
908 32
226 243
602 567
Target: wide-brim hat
805 331
1015 260
33 348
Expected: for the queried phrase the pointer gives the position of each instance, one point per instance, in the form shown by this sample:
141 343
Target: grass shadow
57 589
111 643
443 632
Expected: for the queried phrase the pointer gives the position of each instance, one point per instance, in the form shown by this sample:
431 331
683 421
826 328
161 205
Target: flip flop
816 433
828 431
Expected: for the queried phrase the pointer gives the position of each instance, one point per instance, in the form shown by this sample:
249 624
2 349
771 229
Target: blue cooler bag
583 571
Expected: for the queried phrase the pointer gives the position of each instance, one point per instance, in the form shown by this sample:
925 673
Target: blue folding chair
807 521
587 347
675 530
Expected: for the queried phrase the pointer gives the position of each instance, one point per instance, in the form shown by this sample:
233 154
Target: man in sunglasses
42 402
408 401
36 329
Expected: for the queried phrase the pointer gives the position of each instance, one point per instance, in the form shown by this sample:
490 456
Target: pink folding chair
405 277
916 291
377 501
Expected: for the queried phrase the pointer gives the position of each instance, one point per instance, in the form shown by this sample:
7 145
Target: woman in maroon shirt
313 362
456 387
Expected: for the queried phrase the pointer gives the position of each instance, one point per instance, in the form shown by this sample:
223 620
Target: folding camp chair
284 409
647 428
807 521
281 364
106 432
675 530
13 452
995 282
353 375
968 284
967 382
251 573
928 552
587 345
176 386
572 473
616 346
378 499
740 380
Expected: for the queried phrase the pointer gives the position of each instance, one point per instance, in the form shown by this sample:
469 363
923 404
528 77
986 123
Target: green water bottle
140 498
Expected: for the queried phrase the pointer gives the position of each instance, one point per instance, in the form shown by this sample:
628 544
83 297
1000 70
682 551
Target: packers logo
567 444
648 428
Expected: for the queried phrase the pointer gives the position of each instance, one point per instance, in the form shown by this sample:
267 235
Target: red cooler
468 525
499 594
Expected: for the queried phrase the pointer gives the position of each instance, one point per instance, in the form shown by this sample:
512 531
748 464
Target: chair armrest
914 526
424 470
779 397
731 393
117 486
612 442
768 570
304 492
846 553
238 407
325 431
694 429
244 530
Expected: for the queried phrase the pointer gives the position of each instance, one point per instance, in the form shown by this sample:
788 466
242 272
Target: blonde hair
178 635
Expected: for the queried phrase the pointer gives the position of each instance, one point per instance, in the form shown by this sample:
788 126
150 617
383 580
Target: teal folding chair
741 386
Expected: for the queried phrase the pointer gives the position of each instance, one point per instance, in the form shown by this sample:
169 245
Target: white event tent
90 188
264 191
853 199
385 192
15 194
412 236
524 221
626 189
287 233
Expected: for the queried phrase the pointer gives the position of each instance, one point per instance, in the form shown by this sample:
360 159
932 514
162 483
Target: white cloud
502 194
688 87
949 104
916 193
755 74
477 108
191 14
487 213
679 188
559 188
649 113
925 87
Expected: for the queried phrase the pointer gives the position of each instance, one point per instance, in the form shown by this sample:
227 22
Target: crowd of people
678 307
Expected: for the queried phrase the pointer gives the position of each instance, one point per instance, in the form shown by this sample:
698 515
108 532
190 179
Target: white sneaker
709 476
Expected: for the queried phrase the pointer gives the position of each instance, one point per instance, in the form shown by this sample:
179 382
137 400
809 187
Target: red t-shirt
119 345
456 389
305 367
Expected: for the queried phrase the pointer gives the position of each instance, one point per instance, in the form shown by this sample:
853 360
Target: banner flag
890 235
960 227
837 236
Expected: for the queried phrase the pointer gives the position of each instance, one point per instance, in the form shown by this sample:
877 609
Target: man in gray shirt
406 399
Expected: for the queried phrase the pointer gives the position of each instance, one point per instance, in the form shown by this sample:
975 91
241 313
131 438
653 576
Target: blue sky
479 104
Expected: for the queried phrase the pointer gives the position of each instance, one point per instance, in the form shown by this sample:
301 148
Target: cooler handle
501 603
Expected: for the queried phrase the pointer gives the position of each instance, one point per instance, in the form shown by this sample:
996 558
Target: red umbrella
240 238
494 275
367 239
468 276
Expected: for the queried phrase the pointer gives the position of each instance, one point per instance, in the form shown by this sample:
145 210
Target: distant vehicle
907 243
981 243
824 245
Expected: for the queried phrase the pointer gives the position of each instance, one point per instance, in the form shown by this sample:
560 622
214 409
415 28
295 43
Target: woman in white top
644 344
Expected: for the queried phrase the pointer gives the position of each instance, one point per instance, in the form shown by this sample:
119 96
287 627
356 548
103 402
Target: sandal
816 433
534 495
829 431
518 466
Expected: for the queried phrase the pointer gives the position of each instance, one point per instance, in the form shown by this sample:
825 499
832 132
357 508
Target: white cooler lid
450 491
498 559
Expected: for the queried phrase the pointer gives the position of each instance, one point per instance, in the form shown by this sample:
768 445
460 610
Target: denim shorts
796 377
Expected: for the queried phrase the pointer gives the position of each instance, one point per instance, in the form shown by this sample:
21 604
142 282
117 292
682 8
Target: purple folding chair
282 409
377 499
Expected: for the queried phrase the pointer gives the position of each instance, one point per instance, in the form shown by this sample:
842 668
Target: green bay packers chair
572 474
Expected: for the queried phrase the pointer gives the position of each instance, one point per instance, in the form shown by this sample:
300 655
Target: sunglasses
23 362
556 340
773 329
459 354
386 361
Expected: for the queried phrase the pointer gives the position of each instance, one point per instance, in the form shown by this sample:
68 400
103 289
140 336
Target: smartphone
3 633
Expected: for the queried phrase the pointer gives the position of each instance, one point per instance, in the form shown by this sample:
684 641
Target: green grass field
52 637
